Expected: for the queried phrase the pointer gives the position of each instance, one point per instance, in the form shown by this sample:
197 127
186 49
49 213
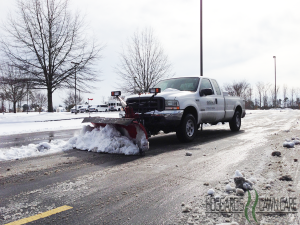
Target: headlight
171 104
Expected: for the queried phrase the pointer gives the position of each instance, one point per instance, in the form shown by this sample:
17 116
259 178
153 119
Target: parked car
98 108
78 108
84 109
60 109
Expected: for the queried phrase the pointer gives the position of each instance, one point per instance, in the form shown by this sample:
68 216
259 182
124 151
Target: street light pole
201 49
275 81
76 64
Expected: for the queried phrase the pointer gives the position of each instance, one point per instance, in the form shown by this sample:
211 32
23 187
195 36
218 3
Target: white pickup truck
184 104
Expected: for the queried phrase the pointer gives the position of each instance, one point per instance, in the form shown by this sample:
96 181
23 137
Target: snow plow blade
128 127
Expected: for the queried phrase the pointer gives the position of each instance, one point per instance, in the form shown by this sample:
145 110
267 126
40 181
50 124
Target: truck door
207 104
220 102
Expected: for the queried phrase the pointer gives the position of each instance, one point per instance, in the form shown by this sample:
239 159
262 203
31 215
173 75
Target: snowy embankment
105 139
20 123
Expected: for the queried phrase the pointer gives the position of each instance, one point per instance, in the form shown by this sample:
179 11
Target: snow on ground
98 140
19 123
32 150
105 139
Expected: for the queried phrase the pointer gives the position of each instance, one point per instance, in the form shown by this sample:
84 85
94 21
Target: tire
235 123
187 129
119 109
96 110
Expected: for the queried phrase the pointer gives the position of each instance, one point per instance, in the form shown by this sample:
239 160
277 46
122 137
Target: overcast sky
240 37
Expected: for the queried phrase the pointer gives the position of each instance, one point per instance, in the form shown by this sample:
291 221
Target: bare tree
284 92
237 88
293 93
143 63
2 97
48 42
274 101
12 84
266 89
69 101
38 100
260 88
249 104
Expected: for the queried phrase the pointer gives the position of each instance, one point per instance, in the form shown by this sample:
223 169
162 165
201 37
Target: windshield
181 84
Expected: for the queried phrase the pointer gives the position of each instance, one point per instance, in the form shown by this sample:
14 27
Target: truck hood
169 93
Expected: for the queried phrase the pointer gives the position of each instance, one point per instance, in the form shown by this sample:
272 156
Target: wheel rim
190 128
238 120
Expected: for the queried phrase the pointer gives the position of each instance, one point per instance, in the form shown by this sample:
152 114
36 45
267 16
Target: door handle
216 100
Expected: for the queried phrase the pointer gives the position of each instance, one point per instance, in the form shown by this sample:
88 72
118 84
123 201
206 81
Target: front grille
146 104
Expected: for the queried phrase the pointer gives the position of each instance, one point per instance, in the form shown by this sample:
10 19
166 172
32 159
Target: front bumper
169 115
155 121
172 115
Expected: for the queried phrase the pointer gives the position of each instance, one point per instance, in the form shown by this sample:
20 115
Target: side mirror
116 93
207 91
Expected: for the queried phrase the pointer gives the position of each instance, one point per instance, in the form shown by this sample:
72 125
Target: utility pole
76 64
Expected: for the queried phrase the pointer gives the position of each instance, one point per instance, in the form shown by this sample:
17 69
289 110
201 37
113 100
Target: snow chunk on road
288 144
228 188
32 150
103 139
211 192
238 174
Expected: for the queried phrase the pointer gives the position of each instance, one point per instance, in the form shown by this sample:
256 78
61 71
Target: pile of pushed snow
103 139
32 150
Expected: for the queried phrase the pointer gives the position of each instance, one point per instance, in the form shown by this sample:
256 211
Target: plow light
116 93
154 90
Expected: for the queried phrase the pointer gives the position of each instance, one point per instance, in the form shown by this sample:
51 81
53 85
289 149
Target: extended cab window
216 87
205 84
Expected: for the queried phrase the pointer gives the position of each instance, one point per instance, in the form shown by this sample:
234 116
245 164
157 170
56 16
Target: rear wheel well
239 108
191 110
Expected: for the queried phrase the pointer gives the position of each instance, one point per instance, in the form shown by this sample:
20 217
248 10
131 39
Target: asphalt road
155 188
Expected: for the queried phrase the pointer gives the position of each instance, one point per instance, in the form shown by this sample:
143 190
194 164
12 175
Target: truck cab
184 104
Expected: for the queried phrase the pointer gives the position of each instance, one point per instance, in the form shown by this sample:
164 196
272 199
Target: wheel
186 131
105 110
119 109
235 123
96 110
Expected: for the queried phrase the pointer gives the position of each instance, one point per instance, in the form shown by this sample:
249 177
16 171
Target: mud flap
127 127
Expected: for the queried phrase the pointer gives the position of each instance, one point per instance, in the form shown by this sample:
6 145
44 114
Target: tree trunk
50 104
15 108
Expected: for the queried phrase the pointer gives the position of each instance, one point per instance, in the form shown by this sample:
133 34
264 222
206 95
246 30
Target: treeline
263 95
